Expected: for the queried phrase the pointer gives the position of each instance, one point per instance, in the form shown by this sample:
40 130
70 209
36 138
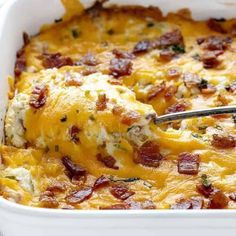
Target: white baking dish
28 15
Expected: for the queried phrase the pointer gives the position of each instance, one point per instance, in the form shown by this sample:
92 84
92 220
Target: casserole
7 71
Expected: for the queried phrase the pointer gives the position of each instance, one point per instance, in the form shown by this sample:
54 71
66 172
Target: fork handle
195 113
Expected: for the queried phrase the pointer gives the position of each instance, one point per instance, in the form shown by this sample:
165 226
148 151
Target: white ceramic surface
17 16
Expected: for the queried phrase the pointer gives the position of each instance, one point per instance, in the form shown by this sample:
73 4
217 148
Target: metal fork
195 113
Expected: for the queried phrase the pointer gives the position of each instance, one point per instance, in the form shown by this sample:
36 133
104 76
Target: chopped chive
178 49
150 24
205 182
110 32
75 33
64 118
128 180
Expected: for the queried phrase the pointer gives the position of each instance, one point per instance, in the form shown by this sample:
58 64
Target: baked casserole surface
80 126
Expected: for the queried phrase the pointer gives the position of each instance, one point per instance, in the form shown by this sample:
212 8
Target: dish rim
16 208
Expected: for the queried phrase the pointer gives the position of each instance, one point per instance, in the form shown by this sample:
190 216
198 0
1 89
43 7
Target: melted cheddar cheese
76 98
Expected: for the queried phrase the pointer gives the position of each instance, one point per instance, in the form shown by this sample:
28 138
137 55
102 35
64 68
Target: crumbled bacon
73 80
166 55
101 103
232 196
89 60
233 30
20 64
170 92
56 187
205 190
55 60
200 40
123 54
191 80
38 97
48 200
73 133
148 154
79 196
209 90
121 191
173 73
192 203
216 43
177 107
155 90
120 67
108 161
142 46
223 141
115 81
72 168
216 26
121 206
117 110
88 71
188 163
209 60
174 37
218 200
130 118
101 182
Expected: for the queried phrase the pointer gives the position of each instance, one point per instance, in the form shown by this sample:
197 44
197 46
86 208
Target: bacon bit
215 26
108 161
73 133
20 64
233 30
101 182
173 73
177 107
148 205
218 200
191 80
232 196
209 90
122 206
155 90
216 43
167 55
38 97
115 82
121 191
55 60
88 71
72 168
120 67
101 103
79 196
142 46
117 110
200 41
89 60
130 118
193 203
188 163
222 141
174 37
48 200
205 191
56 187
26 38
170 92
73 81
209 60
123 54
148 154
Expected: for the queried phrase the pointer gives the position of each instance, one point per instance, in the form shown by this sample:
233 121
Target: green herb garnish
110 32
75 33
205 182
129 180
64 118
178 49
150 24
